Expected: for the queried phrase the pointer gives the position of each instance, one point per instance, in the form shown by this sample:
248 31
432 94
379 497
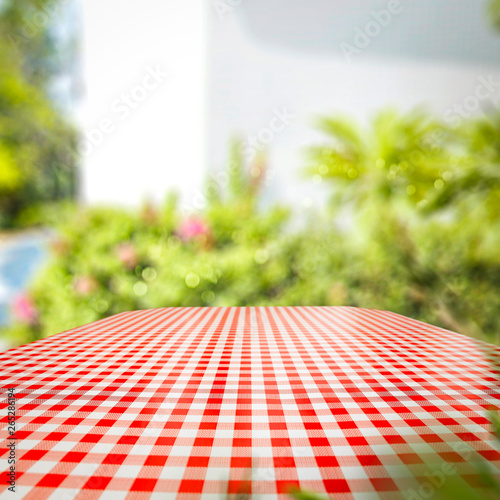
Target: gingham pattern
200 402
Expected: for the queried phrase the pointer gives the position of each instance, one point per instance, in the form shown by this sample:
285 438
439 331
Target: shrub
429 253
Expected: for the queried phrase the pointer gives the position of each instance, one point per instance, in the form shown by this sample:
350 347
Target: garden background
410 220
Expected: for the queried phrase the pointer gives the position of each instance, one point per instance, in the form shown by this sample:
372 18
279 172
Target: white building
262 70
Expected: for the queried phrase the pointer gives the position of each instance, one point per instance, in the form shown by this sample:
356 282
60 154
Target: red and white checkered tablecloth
201 402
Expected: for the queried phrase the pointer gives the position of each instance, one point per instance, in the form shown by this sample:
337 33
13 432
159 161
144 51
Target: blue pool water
20 257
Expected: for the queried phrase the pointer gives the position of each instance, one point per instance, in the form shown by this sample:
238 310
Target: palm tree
397 178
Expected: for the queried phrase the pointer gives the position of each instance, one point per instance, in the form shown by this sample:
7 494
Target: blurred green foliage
421 201
37 163
474 478
494 13
108 260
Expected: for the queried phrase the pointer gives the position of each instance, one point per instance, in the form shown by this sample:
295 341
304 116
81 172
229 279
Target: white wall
252 75
141 146
254 72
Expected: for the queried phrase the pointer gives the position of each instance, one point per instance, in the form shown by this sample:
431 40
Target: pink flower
127 255
25 310
193 228
85 285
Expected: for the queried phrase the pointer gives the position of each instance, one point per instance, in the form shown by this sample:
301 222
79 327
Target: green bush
233 253
429 252
423 200
108 260
37 144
